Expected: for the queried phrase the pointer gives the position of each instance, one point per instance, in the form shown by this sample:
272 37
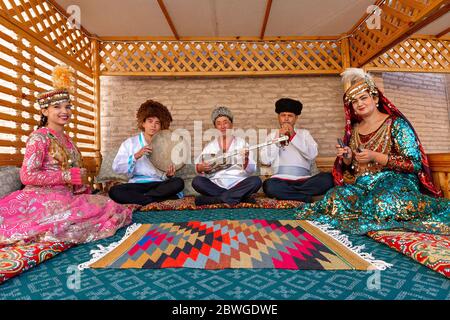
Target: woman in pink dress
56 204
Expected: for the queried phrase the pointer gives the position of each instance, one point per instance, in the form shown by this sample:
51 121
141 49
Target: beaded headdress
63 84
359 82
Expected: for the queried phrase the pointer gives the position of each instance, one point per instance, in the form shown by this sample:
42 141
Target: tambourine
169 148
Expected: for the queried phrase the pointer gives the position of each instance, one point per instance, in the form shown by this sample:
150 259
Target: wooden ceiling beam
169 20
206 39
266 18
443 33
421 17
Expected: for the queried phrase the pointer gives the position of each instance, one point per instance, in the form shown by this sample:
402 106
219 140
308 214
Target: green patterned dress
376 197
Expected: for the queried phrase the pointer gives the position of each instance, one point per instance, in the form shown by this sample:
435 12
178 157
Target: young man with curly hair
147 184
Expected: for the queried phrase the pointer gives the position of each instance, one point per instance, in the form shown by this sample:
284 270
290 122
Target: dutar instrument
219 161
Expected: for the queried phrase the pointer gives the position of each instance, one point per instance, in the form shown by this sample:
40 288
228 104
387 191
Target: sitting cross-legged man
292 163
147 184
232 183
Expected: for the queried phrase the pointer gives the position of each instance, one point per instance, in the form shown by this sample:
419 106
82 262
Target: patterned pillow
10 178
106 173
265 171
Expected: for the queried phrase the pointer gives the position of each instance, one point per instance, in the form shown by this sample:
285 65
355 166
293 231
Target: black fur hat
288 105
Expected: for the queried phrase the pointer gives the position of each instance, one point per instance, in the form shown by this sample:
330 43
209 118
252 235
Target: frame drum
169 148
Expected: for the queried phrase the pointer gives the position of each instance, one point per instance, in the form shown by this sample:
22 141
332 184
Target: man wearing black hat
292 164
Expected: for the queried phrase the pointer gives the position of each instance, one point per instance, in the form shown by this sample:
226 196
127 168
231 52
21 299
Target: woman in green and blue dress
381 174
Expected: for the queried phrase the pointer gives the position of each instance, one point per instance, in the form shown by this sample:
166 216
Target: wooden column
96 76
440 167
345 53
345 56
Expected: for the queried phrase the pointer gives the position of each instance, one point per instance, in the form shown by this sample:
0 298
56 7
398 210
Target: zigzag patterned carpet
221 244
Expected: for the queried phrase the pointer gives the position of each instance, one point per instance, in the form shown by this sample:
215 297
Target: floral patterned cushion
19 258
106 173
10 178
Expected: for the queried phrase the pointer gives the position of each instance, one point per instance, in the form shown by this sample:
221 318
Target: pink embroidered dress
55 205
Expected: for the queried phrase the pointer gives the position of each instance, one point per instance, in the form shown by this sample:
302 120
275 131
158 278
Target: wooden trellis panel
415 55
219 57
41 19
25 70
398 18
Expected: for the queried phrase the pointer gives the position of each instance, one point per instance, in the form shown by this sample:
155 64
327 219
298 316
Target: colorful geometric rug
19 258
278 244
187 203
433 251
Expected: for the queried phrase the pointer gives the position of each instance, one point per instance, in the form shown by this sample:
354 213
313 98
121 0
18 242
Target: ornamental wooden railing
416 54
35 37
211 58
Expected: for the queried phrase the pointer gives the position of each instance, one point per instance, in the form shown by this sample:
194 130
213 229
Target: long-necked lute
219 161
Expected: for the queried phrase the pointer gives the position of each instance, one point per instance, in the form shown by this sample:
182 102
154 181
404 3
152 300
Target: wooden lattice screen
219 57
42 20
397 19
416 54
34 37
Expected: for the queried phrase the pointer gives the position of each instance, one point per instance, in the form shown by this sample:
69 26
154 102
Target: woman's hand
365 156
78 176
341 151
346 150
170 171
145 150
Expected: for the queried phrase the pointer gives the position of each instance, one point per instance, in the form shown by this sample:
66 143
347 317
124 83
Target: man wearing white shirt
233 183
291 164
147 184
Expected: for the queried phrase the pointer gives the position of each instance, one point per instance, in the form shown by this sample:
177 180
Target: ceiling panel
240 18
121 18
192 17
314 18
437 26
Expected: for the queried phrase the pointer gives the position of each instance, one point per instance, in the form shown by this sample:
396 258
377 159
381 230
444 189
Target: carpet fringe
102 251
343 239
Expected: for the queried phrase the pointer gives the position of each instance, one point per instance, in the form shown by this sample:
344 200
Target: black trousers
302 190
145 193
234 195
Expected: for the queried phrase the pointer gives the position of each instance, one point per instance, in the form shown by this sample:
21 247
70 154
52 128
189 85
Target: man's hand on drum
145 150
203 167
170 171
